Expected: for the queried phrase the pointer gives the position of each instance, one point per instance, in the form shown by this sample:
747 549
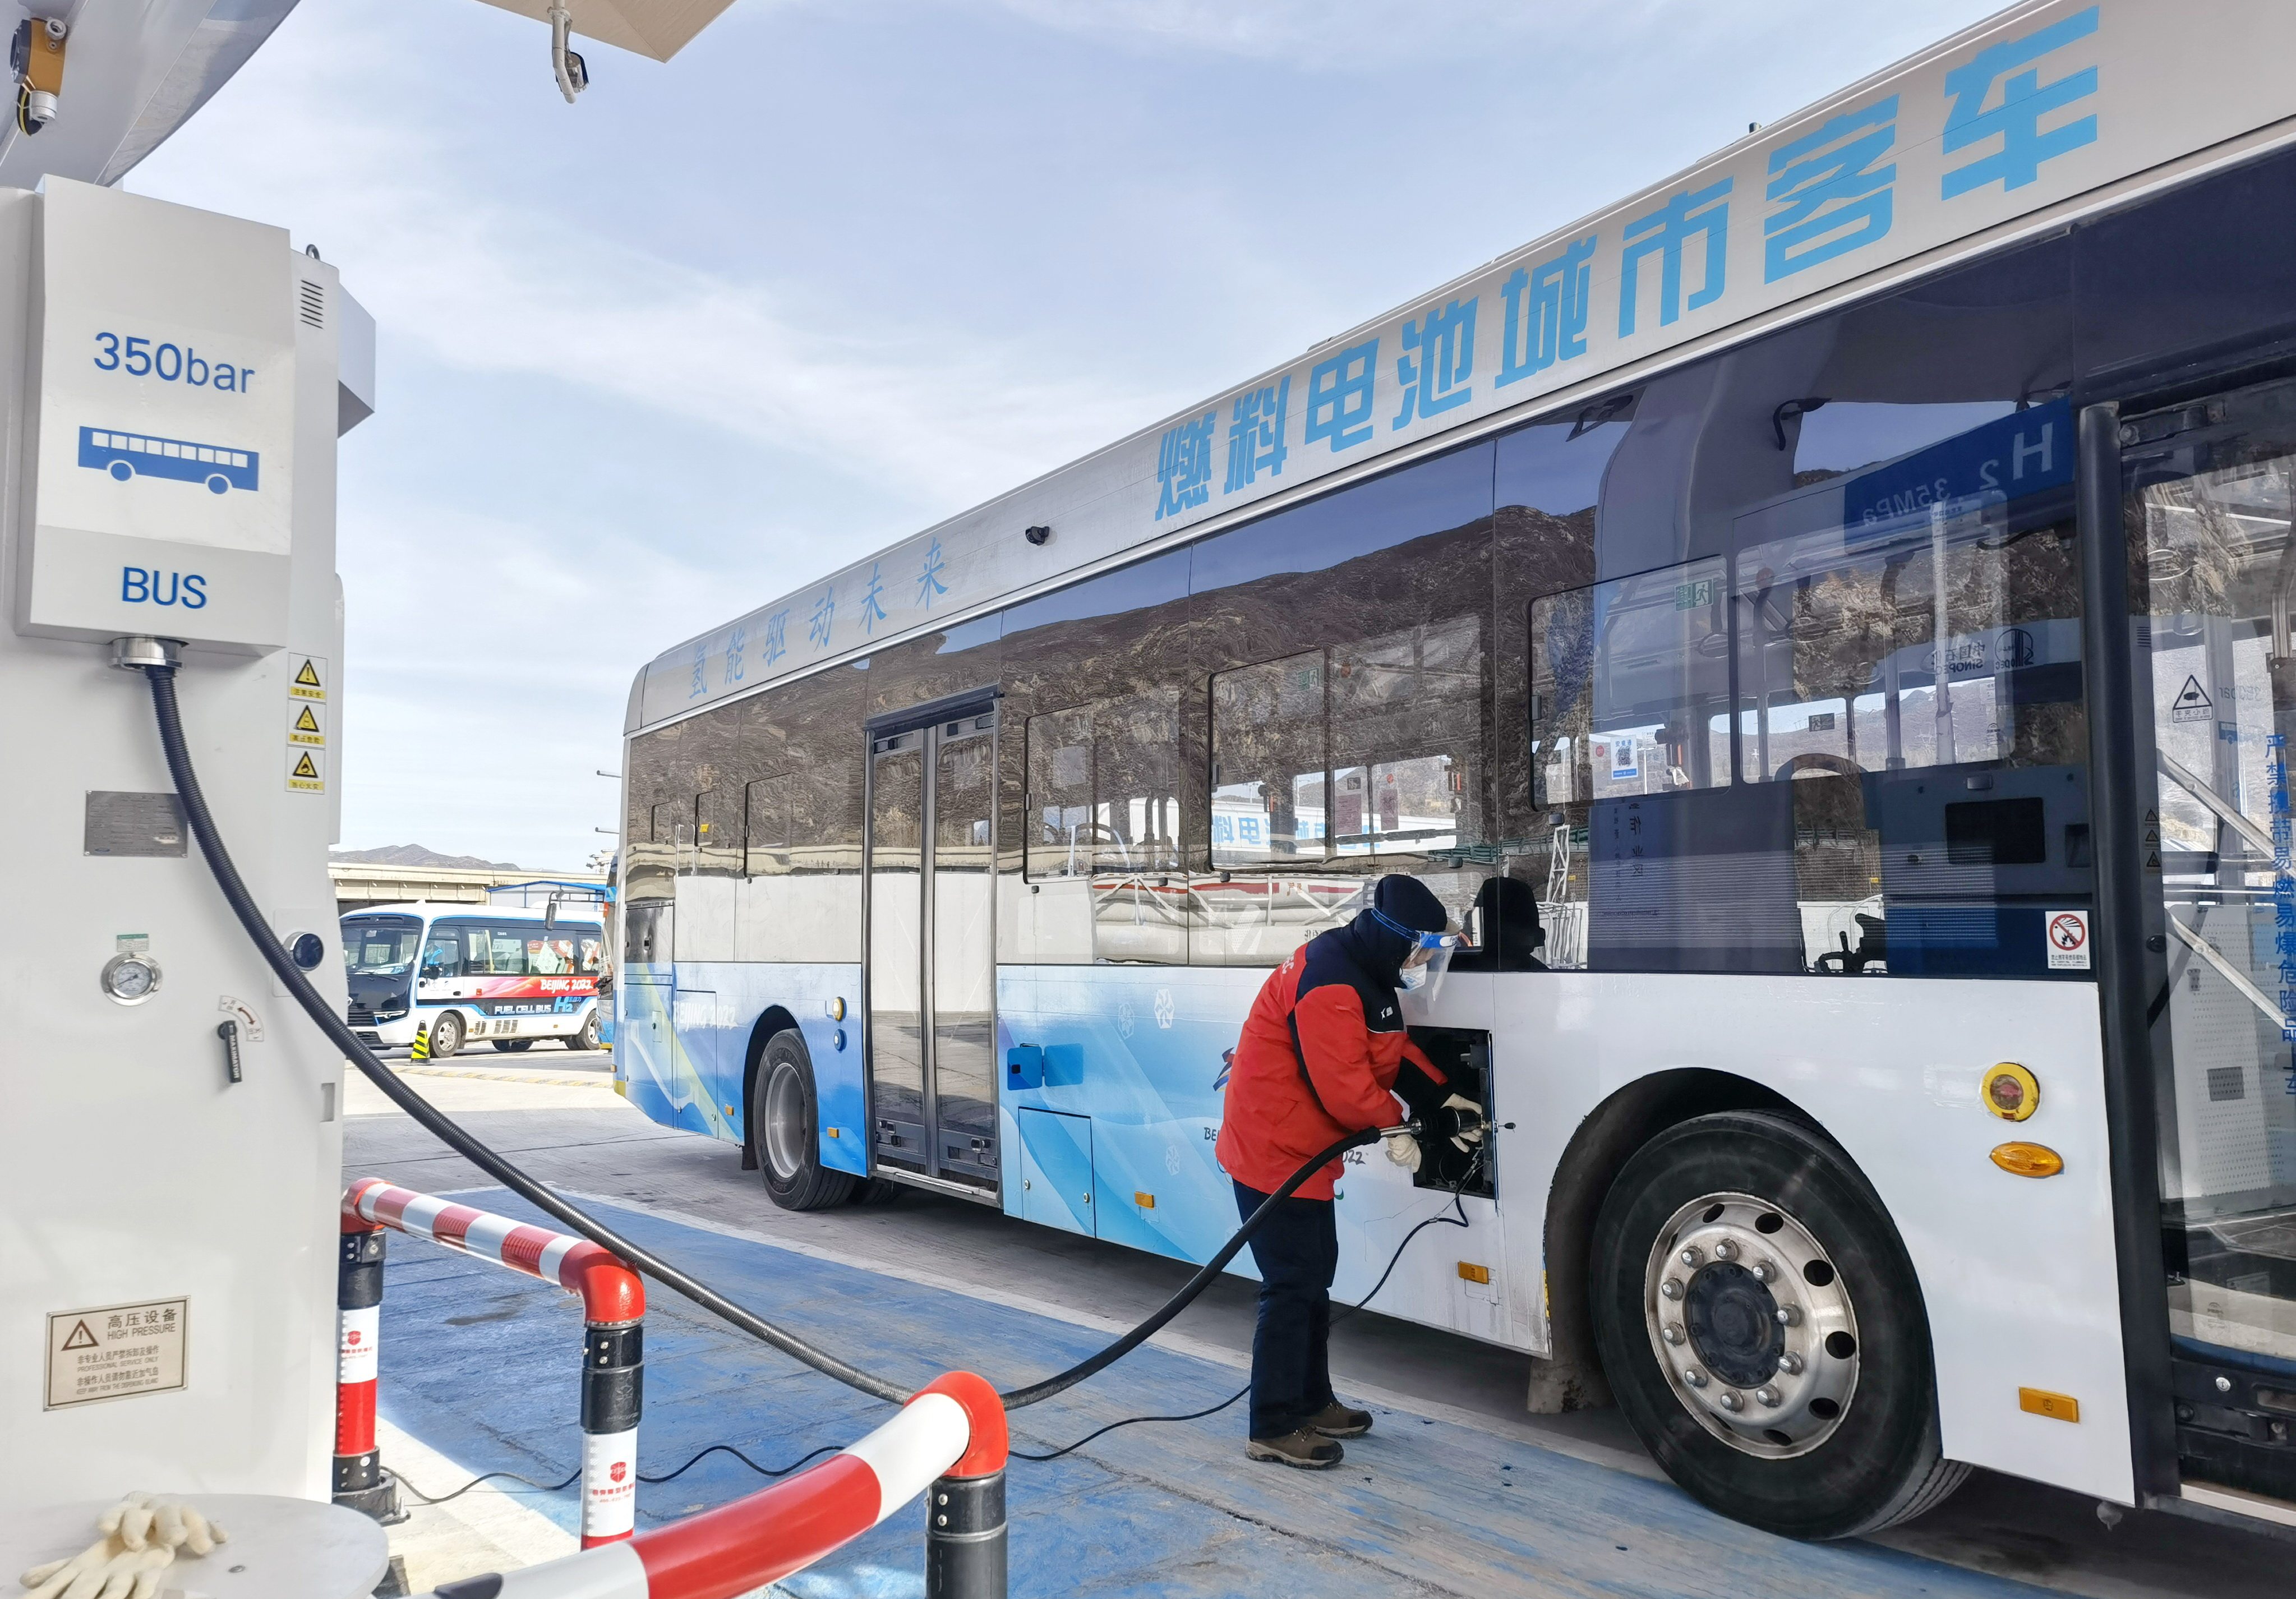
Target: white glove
1464 1140
141 1536
1403 1149
147 1519
105 1569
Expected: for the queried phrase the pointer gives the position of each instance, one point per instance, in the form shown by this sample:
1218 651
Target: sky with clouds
848 266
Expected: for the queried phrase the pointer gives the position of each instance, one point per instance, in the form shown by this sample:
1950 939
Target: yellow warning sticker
309 681
307 771
307 724
116 1351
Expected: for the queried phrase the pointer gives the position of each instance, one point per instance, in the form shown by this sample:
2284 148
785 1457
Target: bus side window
507 957
442 956
1655 862
593 950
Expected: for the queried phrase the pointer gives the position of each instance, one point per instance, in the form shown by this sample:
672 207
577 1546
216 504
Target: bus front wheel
446 1034
785 1129
1762 1327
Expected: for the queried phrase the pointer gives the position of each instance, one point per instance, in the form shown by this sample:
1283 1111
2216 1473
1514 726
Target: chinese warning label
2067 940
118 1350
2192 704
306 726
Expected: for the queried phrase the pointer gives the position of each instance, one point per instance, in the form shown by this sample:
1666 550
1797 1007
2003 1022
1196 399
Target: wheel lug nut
1694 1377
1768 1396
1726 1250
1790 1365
1673 1333
1691 1256
1764 1272
1790 1315
1671 1289
1731 1402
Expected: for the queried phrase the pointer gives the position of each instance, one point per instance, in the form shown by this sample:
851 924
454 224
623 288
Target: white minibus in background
471 972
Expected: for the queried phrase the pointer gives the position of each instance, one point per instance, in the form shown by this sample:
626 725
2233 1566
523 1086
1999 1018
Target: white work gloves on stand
141 1536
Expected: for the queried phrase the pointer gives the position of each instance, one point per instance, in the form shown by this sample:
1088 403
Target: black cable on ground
444 1128
1438 1219
1345 1311
567 1483
546 1488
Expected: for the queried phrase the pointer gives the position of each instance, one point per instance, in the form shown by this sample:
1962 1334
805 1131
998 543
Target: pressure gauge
131 979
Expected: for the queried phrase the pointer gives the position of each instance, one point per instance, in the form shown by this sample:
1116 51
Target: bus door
931 1034
2209 502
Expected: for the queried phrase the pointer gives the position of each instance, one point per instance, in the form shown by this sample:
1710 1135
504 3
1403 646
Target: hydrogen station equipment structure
172 386
172 383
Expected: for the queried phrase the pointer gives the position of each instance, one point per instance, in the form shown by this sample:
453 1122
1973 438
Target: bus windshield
380 946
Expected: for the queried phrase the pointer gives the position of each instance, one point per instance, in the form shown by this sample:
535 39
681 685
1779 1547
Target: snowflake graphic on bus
126 456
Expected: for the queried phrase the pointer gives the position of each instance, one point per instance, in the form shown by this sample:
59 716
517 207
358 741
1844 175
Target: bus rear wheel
785 1129
587 1037
1763 1329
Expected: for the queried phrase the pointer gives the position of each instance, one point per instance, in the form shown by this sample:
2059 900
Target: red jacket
1317 1060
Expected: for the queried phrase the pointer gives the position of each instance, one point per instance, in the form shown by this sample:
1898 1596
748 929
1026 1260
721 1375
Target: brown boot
1336 1420
1308 1449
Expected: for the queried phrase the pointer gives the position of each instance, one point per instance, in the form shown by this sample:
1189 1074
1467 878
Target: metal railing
948 1443
614 1341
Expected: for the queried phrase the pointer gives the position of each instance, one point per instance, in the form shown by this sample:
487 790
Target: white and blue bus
1824 625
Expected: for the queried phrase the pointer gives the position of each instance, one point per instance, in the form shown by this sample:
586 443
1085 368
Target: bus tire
586 1037
509 1046
1822 1429
785 1129
446 1034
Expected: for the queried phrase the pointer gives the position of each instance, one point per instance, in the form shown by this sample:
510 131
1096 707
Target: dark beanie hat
1409 901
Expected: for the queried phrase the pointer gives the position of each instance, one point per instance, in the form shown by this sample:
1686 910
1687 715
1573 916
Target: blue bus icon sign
126 456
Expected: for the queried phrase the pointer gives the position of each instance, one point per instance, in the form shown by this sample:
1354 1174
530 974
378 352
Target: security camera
573 76
1039 535
37 58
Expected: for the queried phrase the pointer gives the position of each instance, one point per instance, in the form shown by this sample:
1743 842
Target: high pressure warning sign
116 1351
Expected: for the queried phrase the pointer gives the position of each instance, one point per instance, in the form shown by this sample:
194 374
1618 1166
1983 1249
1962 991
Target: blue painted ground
480 1365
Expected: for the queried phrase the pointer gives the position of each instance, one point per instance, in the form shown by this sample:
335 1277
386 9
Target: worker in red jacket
1321 1056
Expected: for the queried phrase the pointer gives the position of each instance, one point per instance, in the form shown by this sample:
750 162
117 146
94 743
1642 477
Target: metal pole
614 1393
360 1481
964 1537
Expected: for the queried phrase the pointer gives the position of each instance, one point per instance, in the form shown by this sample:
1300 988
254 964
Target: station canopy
657 30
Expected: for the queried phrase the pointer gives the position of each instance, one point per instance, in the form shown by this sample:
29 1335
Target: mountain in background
414 854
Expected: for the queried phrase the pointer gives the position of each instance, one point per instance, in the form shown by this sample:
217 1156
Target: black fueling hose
543 1198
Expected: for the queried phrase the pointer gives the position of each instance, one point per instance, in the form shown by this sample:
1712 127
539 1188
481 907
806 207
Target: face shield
1429 959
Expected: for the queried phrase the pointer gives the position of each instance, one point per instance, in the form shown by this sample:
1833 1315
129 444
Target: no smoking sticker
2068 936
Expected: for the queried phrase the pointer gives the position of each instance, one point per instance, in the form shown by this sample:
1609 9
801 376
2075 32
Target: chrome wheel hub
786 1121
1753 1325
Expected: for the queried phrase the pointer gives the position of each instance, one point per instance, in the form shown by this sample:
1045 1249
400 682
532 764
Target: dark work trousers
1297 1250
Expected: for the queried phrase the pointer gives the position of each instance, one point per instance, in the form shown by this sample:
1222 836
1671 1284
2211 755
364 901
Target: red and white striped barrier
610 1290
613 1346
949 1435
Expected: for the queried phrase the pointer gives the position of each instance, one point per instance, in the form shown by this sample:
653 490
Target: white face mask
1412 976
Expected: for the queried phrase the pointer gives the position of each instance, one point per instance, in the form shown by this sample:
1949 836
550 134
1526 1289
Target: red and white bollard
613 1331
614 1393
360 1481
